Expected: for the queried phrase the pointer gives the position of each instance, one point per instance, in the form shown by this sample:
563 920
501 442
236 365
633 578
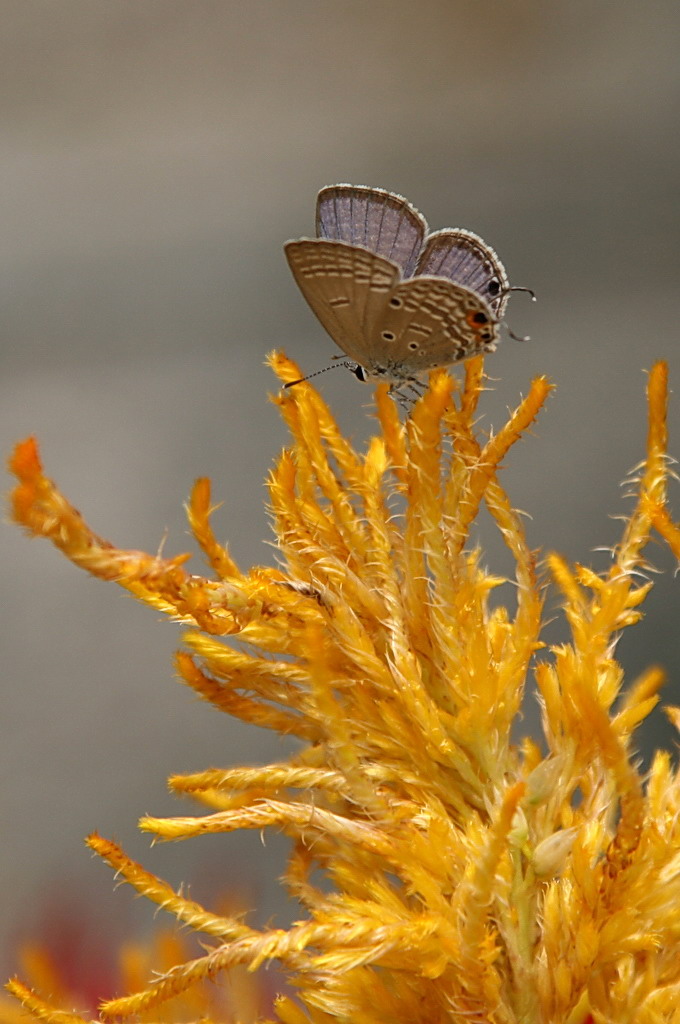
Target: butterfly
396 299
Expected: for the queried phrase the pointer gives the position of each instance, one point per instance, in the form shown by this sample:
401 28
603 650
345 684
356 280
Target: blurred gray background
156 154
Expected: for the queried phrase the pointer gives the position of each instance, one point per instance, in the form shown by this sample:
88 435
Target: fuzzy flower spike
466 879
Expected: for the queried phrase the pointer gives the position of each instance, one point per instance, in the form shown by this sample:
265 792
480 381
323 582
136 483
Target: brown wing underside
385 324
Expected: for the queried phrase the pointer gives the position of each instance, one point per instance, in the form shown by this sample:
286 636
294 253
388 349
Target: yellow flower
466 879
65 960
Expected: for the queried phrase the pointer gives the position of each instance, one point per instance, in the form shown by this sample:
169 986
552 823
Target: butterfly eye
360 374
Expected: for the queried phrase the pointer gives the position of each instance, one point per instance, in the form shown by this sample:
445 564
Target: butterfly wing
467 260
381 221
430 322
348 288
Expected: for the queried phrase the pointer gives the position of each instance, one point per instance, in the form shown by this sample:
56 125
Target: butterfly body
397 301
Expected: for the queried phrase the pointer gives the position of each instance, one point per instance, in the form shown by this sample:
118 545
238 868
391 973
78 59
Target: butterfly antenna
345 362
517 337
517 288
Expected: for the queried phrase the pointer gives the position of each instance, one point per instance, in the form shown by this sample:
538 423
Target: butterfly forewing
381 221
467 260
348 288
433 322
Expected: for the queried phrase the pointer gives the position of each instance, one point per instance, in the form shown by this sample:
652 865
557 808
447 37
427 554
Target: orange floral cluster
467 879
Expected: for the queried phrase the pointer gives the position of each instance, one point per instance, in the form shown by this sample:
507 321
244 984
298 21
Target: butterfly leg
407 392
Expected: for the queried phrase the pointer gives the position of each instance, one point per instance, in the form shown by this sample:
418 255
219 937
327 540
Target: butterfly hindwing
464 258
434 322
